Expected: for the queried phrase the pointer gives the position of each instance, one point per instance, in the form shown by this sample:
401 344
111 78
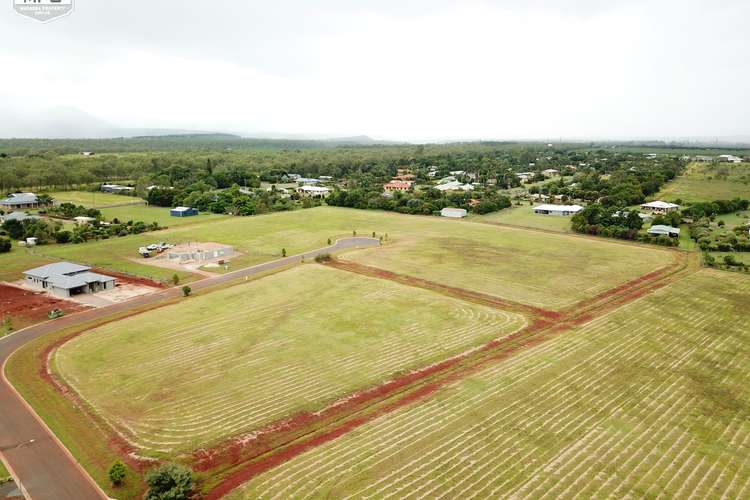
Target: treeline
427 202
234 201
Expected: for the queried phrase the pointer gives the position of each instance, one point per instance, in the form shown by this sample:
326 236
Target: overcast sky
392 69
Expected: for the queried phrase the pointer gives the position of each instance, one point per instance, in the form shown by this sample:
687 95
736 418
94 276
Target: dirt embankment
26 307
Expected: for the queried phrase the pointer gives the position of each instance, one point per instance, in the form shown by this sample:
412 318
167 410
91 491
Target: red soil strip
26 307
461 293
275 437
131 279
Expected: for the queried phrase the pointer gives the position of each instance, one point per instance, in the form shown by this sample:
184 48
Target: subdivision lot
524 216
527 266
709 182
544 270
23 307
220 365
649 400
92 199
149 214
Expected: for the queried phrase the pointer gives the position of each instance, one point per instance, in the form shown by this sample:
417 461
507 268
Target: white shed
456 213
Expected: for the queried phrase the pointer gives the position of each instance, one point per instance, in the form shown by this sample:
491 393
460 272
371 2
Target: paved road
43 466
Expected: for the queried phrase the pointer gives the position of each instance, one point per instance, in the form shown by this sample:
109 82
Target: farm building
397 186
116 189
560 210
183 211
729 159
313 191
659 230
16 201
199 252
455 213
660 207
64 279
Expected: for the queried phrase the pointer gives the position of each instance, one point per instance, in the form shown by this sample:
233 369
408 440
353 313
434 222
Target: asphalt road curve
41 465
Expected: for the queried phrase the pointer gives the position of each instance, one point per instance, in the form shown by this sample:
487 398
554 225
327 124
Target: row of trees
423 202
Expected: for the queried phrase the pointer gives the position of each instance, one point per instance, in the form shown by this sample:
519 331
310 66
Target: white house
313 191
660 207
82 220
551 172
557 209
454 186
729 159
455 213
659 230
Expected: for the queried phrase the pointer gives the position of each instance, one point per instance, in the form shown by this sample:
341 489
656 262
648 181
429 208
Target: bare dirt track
26 307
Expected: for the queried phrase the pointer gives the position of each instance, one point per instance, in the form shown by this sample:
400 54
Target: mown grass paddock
222 364
701 183
92 199
648 400
524 216
518 264
149 214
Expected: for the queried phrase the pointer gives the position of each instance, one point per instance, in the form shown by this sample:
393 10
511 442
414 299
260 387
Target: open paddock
649 401
533 267
220 365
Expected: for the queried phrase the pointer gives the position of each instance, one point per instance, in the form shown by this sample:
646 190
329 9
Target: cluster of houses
720 159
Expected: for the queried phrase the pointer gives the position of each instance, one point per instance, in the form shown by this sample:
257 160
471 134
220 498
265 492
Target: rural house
64 279
16 201
660 207
560 210
313 191
397 186
19 216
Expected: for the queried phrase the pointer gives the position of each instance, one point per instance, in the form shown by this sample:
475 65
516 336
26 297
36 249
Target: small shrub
169 481
322 257
5 245
186 290
283 252
175 279
117 473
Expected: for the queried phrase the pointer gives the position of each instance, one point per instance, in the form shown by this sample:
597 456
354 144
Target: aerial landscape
214 285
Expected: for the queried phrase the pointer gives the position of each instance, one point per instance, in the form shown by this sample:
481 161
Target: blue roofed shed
183 211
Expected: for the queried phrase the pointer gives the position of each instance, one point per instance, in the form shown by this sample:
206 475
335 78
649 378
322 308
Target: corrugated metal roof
60 268
20 198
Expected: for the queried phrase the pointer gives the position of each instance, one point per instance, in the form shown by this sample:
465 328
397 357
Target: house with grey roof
65 279
662 230
19 216
18 201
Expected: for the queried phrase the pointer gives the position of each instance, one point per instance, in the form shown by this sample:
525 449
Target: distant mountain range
72 123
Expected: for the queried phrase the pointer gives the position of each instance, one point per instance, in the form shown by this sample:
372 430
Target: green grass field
92 199
161 215
19 259
649 401
706 182
545 270
4 474
225 363
524 216
522 265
